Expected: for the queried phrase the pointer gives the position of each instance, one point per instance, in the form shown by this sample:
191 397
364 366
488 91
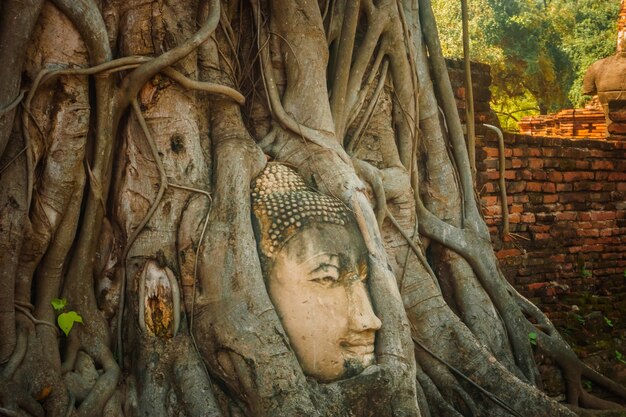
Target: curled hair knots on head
282 205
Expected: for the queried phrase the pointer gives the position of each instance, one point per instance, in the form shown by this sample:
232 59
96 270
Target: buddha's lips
359 348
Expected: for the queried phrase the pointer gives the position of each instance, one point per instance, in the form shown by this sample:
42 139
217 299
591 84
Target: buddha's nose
362 317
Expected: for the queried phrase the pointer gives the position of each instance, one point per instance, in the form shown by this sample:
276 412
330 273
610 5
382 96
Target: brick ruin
589 122
569 123
567 247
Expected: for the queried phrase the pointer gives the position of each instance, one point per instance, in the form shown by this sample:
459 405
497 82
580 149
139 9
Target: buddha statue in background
607 77
315 268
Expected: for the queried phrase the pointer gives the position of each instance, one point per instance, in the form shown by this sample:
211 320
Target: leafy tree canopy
539 50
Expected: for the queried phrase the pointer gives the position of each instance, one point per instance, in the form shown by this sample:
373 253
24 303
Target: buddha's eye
325 274
326 280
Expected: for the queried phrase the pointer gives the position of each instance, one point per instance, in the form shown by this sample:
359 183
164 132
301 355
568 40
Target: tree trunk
126 215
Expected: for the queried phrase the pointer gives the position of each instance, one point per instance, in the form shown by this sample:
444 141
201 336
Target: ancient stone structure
569 123
606 78
315 269
606 81
566 252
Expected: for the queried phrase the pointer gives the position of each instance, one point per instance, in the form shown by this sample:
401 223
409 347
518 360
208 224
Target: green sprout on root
65 319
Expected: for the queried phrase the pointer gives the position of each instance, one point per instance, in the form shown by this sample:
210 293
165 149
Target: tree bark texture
130 133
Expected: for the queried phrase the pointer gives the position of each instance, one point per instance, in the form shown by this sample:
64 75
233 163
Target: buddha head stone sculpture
315 268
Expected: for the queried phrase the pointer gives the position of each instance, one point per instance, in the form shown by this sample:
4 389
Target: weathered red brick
559 258
533 187
505 253
572 197
514 218
588 232
491 152
577 176
598 215
528 218
602 165
587 186
550 198
567 216
514 187
516 208
493 211
606 232
592 248
548 187
535 163
617 176
601 175
555 176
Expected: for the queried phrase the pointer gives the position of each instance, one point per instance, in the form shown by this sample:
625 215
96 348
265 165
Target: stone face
315 268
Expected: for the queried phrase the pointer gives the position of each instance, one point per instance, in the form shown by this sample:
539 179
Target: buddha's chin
355 364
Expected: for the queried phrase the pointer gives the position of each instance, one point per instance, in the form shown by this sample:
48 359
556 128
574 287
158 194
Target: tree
538 50
593 37
125 203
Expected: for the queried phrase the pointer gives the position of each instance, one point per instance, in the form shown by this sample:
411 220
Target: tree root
550 341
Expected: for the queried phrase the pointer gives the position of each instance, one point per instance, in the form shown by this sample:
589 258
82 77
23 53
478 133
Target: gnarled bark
125 189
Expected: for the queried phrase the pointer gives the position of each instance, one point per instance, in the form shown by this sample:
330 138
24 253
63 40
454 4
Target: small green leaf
608 321
532 336
58 303
620 357
66 321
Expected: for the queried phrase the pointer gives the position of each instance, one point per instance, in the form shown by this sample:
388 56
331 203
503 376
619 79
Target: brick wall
481 81
567 204
567 249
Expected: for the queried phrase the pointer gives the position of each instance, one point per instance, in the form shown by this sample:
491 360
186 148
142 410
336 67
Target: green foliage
620 357
588 385
580 319
608 321
538 50
58 303
585 273
594 37
65 320
532 337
